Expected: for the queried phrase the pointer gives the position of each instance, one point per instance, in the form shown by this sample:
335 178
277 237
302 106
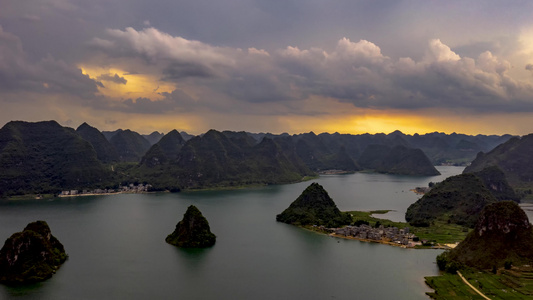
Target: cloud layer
354 72
221 62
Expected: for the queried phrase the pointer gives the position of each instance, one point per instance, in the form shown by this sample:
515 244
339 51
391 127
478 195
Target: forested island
31 255
192 231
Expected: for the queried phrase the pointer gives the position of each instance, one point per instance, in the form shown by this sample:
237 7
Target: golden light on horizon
367 121
137 85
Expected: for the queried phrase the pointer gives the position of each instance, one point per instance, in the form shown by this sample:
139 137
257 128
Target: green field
516 283
440 232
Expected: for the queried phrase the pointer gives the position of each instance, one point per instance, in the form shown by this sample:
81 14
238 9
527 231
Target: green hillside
214 160
502 235
45 157
513 158
396 160
314 207
458 199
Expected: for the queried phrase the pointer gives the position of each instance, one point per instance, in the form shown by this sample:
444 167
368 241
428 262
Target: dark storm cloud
179 70
205 47
112 78
48 75
353 72
176 100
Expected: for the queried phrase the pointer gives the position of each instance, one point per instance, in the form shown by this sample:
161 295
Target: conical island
31 255
193 231
502 235
314 207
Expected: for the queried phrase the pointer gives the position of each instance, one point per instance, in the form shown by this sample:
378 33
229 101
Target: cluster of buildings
393 235
131 188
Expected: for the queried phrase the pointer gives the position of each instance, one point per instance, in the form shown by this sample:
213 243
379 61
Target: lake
117 250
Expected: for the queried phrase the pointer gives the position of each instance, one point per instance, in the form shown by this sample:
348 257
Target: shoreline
369 240
102 194
384 242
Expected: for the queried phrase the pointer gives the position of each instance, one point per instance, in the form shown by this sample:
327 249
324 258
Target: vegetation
439 233
397 160
44 157
458 200
495 180
314 207
513 158
502 242
130 145
167 149
105 152
515 283
502 236
215 160
192 231
315 154
31 255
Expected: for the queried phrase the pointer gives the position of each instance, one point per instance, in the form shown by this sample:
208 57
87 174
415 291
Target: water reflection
192 258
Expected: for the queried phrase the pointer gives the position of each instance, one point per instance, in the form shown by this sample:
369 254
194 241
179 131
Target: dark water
117 250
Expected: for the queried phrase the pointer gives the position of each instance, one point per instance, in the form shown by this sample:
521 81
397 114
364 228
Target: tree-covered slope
153 137
192 231
45 157
130 145
396 160
314 207
104 150
458 199
31 255
167 149
513 158
214 160
495 180
319 157
502 234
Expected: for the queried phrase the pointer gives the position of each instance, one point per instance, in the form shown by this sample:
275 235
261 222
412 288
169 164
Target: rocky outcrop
495 180
193 231
502 234
314 207
31 255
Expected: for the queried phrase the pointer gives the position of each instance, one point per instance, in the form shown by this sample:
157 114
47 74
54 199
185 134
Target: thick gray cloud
112 78
252 55
48 75
354 72
176 101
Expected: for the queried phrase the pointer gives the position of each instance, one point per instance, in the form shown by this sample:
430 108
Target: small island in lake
314 207
193 231
32 255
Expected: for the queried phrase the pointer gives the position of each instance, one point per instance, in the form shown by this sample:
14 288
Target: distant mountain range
45 157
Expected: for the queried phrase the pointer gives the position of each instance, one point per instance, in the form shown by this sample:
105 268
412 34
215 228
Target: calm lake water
117 250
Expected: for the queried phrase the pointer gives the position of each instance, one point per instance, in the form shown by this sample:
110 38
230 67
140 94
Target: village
131 188
385 235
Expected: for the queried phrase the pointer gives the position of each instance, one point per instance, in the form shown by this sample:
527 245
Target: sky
348 66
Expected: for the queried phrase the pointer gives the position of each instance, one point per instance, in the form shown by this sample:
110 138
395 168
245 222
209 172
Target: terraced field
516 283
